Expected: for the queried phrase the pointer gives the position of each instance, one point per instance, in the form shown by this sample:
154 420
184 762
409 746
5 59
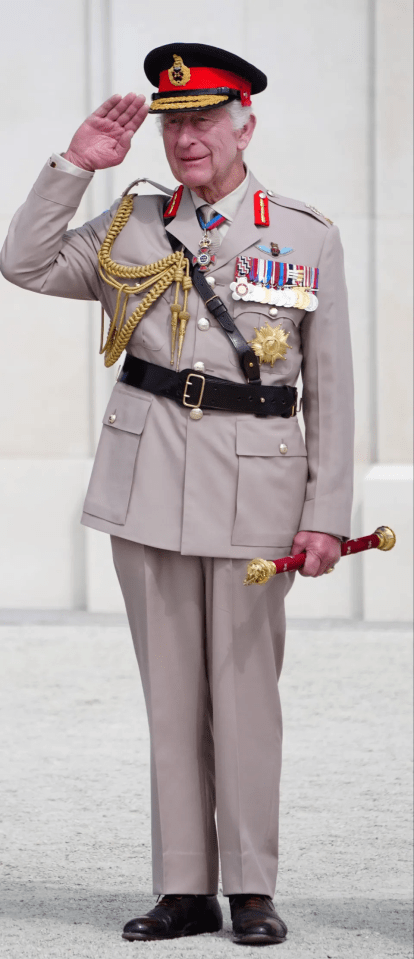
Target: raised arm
39 253
104 138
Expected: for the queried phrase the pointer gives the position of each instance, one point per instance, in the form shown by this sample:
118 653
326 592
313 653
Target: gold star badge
270 344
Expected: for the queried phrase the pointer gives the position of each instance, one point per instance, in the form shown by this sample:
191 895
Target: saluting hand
103 140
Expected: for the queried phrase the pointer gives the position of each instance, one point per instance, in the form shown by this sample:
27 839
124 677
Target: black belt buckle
188 384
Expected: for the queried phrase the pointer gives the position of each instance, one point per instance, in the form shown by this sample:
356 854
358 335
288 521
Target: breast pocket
271 485
153 332
110 485
274 337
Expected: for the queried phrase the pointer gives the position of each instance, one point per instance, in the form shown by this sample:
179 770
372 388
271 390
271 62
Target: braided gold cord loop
184 316
160 275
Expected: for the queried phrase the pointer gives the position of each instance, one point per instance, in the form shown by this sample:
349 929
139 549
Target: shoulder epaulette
299 205
144 179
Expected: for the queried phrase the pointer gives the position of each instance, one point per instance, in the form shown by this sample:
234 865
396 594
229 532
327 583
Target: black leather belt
201 391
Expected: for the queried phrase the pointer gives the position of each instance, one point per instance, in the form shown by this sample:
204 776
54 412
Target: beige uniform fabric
187 502
210 652
219 486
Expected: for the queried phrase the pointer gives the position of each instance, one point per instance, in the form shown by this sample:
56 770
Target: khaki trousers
210 653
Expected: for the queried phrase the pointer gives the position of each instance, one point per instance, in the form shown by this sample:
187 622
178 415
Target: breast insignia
314 209
270 343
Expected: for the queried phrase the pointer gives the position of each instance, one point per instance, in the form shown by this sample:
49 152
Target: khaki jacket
221 485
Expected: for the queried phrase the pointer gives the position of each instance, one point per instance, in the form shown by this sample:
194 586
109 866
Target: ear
246 132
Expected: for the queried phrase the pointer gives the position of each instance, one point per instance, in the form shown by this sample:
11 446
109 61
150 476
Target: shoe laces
168 900
251 901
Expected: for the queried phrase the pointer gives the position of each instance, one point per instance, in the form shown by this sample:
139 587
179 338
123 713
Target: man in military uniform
222 294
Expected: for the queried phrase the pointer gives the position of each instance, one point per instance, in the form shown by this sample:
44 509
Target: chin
193 178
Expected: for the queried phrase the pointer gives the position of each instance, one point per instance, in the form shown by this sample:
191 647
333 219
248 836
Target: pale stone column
394 224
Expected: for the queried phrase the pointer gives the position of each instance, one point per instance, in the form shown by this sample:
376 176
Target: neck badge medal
205 255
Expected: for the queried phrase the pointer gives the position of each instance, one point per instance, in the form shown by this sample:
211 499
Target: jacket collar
242 233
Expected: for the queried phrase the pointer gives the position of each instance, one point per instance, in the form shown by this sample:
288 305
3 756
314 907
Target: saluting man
221 294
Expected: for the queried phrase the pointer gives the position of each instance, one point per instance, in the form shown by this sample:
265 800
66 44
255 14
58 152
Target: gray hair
239 115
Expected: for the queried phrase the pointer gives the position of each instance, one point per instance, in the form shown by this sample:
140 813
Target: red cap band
208 78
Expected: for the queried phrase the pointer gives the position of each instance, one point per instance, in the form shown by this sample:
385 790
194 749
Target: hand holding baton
261 570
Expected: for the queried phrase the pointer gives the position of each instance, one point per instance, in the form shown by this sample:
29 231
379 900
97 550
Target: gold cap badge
179 74
270 344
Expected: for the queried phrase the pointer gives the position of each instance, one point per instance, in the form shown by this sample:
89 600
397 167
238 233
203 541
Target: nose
186 135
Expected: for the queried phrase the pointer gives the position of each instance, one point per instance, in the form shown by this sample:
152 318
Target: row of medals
298 297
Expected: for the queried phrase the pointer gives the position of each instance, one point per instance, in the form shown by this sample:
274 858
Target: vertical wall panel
393 161
44 356
332 131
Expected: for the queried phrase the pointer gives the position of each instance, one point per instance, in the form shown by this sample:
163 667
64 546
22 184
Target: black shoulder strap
247 358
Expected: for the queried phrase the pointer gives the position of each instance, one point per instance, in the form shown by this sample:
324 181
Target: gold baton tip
259 571
387 537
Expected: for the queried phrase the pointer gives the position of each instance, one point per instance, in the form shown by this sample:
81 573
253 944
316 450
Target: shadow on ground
76 905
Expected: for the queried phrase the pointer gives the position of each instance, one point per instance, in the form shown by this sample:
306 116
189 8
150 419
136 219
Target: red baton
260 570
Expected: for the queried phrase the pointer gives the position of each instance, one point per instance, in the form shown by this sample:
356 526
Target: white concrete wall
333 131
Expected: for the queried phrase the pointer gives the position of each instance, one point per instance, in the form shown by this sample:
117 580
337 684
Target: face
202 148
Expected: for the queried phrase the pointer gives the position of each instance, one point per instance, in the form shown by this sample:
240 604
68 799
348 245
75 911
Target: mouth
193 159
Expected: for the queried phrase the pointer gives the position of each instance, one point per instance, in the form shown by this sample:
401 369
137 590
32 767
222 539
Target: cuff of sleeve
327 516
60 163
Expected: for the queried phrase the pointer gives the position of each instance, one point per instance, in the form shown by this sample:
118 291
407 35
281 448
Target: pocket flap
269 437
127 410
260 315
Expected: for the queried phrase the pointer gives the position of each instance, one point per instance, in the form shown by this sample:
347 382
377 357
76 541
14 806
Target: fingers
126 108
322 551
106 107
125 140
135 122
312 565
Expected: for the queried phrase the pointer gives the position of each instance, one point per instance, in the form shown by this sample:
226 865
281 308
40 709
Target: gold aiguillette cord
157 278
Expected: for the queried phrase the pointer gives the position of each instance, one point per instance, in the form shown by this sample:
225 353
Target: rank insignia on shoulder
314 209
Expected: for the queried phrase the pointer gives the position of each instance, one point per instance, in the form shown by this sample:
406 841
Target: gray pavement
75 842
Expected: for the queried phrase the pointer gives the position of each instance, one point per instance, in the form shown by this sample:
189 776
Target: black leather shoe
255 921
175 916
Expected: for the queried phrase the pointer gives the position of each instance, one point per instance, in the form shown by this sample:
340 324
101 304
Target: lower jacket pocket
271 484
112 475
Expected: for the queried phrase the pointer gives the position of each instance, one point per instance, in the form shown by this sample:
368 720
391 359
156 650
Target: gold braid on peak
159 276
198 102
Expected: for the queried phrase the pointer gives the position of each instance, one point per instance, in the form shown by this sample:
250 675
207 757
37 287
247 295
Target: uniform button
203 323
199 367
273 311
262 196
112 418
196 414
211 281
283 448
270 193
